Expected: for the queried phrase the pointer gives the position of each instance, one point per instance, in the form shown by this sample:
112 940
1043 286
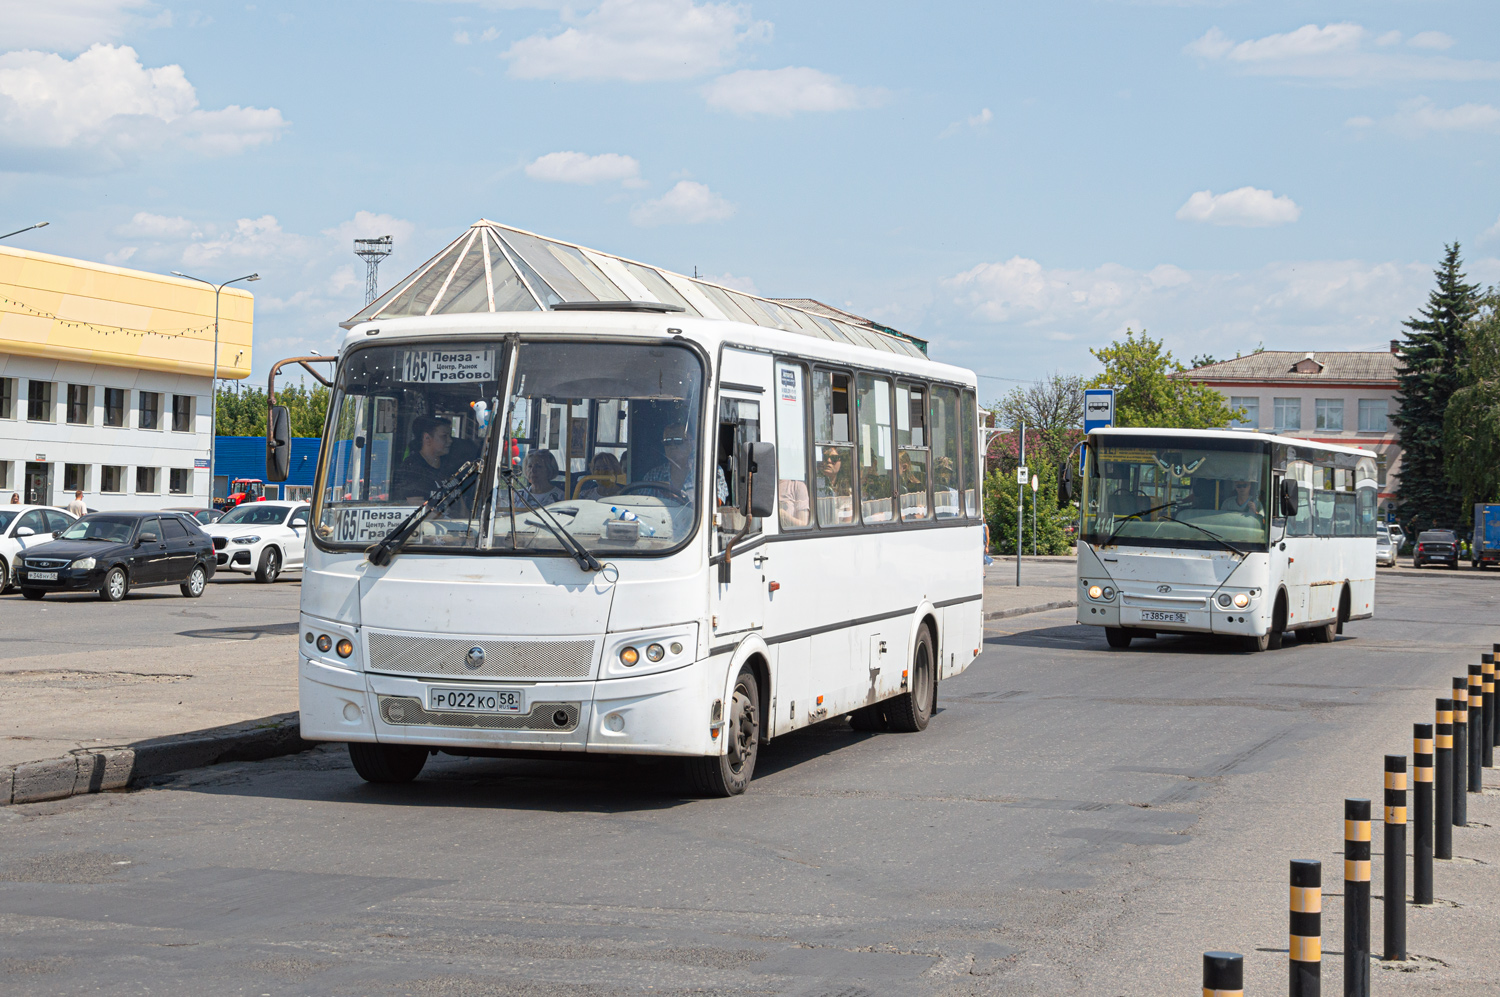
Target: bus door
1293 559
741 414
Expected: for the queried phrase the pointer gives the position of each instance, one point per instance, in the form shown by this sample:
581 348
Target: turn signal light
1241 600
324 643
346 647
1095 592
629 656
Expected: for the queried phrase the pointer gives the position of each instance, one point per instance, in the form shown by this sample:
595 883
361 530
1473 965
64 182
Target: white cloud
974 121
369 225
1246 207
1431 39
148 226
1492 232
461 38
688 203
1338 52
1422 115
251 239
781 93
72 25
104 108
578 167
638 40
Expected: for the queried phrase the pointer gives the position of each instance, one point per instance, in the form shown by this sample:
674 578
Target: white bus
1224 532
622 528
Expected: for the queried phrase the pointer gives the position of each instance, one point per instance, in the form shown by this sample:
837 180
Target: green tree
1138 369
1052 411
1471 422
1431 373
1000 489
243 413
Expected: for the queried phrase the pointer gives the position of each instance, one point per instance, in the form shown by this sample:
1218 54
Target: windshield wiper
380 555
1137 515
1208 533
586 560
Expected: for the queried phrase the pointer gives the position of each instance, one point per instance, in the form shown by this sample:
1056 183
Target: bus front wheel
387 762
1117 636
910 711
729 774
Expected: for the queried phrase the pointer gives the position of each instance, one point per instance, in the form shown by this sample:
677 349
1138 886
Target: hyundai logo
1160 588
474 659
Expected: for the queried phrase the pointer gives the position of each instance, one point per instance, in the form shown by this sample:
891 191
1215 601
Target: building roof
58 308
497 268
1376 367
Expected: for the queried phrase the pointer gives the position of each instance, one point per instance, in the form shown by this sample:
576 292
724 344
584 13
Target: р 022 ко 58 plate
449 699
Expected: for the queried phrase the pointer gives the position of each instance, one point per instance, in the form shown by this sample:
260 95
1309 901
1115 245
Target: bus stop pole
1020 507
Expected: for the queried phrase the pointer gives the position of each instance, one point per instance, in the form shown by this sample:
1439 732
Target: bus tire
1117 636
1278 623
1323 633
1257 644
729 774
909 712
870 718
1345 610
387 763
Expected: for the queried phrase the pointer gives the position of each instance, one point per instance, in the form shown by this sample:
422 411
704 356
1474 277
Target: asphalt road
1074 820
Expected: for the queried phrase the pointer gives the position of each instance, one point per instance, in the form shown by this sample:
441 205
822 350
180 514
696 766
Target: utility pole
372 251
1034 493
1020 506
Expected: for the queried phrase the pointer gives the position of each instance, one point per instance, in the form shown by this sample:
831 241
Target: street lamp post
213 403
26 229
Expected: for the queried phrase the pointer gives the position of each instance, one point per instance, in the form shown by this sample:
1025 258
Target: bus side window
833 450
946 436
876 492
793 498
971 469
739 423
912 454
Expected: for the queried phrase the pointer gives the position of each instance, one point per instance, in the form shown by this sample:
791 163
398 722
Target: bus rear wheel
729 774
910 711
1117 636
387 763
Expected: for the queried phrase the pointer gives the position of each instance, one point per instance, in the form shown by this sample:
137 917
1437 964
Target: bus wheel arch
1278 620
1346 604
759 667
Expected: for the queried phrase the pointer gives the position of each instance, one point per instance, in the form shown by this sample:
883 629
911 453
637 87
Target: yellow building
106 381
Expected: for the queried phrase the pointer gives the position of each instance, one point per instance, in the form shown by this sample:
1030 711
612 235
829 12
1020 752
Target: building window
1251 405
145 481
1372 413
78 405
111 479
114 406
7 398
39 401
1330 414
1382 468
182 413
5 474
181 480
75 478
1288 414
150 410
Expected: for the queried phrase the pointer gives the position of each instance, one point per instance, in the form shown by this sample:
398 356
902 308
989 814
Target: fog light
614 722
1109 593
1095 592
629 656
351 712
676 647
1242 600
656 652
308 636
346 647
324 642
1224 599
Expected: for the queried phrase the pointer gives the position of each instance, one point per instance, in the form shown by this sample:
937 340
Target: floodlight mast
372 251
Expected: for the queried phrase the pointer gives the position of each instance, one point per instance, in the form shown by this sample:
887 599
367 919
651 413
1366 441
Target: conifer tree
1431 371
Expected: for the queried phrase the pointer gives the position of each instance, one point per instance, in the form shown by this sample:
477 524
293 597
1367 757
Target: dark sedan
113 552
1436 547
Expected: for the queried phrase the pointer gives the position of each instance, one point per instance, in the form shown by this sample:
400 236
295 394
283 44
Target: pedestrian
15 498
76 507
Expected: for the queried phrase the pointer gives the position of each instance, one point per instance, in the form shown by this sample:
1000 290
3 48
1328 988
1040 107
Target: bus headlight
644 652
1109 593
1241 601
1095 592
1224 599
629 656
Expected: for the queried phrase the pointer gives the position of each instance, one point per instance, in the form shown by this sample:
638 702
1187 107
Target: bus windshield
603 436
1164 491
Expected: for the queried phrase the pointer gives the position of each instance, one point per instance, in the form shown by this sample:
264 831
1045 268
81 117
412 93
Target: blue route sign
1098 413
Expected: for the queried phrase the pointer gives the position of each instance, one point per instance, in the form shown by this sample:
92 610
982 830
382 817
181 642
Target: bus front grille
406 711
413 654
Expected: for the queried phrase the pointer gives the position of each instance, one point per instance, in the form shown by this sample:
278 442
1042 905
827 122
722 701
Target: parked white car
23 526
261 538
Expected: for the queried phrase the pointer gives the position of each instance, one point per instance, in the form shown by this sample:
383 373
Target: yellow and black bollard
1356 899
1487 669
1223 974
1460 751
1305 950
1442 782
1421 804
1395 857
1478 730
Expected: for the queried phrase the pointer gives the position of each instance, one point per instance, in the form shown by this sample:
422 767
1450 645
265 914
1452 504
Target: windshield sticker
368 524
447 366
1180 469
1130 455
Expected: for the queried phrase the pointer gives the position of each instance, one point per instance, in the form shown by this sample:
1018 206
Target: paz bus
632 527
1243 534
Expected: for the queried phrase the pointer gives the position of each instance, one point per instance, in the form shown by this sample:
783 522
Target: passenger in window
605 478
1245 498
836 484
422 471
677 471
541 469
792 500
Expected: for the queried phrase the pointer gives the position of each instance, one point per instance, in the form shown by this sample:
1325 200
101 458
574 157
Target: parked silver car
1385 546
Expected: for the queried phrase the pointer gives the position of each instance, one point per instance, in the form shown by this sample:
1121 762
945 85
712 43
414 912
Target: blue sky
1017 182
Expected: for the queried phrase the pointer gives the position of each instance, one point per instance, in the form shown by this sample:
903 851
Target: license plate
443 700
1154 616
41 576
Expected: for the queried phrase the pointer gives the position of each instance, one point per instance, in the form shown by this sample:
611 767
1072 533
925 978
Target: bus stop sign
1098 409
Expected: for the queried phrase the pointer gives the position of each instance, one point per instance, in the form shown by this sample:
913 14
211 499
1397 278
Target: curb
100 770
1001 614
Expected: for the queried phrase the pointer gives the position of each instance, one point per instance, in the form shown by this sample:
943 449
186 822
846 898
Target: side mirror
278 443
760 462
25 531
56 534
1288 497
145 538
1065 483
